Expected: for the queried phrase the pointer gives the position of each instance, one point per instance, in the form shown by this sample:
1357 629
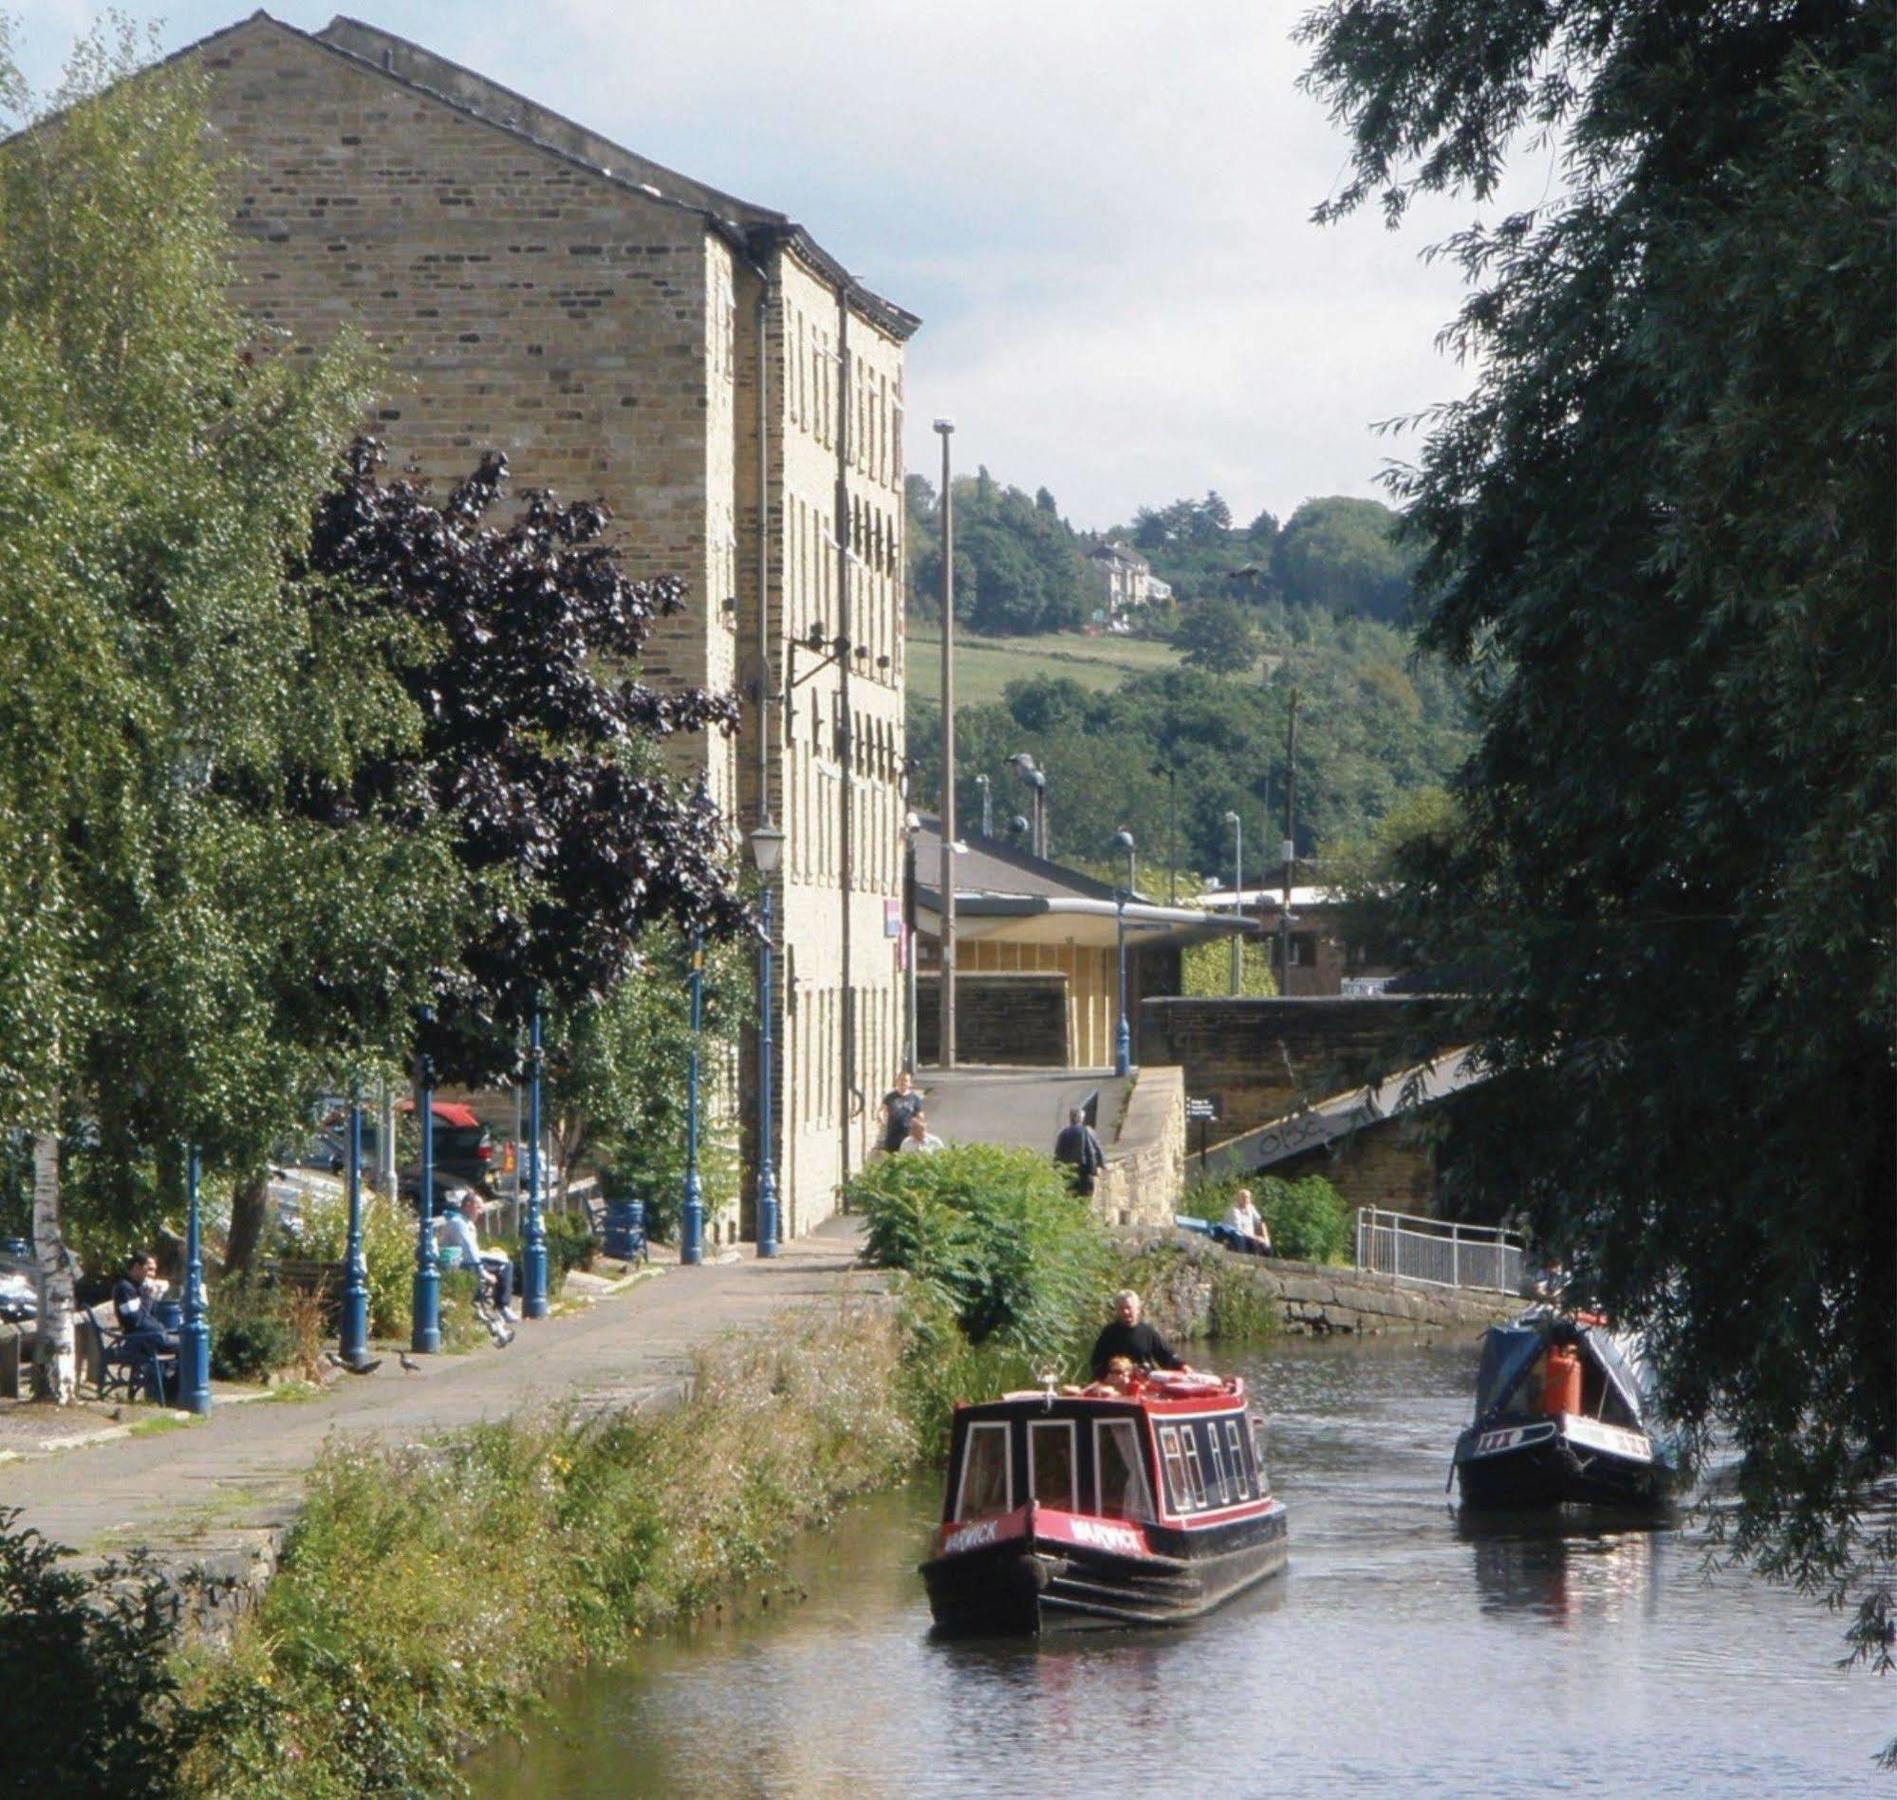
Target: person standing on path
1078 1146
904 1099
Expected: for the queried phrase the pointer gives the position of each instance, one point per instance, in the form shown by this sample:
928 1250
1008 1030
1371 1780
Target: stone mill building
732 392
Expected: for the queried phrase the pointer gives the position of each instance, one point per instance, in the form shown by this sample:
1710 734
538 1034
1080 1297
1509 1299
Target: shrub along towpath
217 1496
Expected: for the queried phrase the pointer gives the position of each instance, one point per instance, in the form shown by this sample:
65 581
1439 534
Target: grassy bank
426 1594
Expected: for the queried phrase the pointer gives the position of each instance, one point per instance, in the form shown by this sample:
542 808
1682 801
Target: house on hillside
701 363
1126 581
1037 956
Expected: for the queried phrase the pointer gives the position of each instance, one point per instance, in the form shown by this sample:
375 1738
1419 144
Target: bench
118 1367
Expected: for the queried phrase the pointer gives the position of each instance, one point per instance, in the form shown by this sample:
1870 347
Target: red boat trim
1088 1531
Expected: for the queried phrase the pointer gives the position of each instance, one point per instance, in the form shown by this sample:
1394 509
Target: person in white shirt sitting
920 1137
1245 1220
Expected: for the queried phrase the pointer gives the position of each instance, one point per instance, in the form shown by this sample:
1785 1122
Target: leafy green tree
1343 555
1660 529
165 665
1217 637
1365 741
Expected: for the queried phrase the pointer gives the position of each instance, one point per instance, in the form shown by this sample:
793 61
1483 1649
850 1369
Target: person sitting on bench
458 1220
134 1296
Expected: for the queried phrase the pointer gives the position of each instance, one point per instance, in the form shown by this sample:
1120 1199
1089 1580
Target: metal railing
1438 1251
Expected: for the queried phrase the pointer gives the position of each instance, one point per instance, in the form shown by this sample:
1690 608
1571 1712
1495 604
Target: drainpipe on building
766 684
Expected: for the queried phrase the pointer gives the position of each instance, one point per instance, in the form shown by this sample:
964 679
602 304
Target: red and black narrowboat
1071 1510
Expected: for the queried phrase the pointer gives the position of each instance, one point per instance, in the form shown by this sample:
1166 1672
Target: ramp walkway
1026 1107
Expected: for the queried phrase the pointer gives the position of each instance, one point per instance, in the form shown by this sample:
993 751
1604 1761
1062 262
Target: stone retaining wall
1313 1299
1146 1161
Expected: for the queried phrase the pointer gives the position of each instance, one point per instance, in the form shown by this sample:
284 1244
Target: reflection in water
1568 1567
1407 1651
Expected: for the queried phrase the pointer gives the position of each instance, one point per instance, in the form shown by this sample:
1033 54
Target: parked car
463 1146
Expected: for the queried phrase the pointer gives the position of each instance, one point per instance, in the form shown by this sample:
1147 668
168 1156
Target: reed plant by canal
427 1593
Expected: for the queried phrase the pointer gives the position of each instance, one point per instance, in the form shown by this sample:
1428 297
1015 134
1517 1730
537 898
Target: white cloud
1100 208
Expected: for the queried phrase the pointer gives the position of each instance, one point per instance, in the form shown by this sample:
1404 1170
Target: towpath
216 1492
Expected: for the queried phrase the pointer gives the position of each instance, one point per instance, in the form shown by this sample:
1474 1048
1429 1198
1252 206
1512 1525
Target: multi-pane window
1240 1475
1175 1467
1194 1473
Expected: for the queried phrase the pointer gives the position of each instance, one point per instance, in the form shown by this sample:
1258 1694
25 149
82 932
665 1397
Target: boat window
1240 1474
1194 1473
1051 1474
1175 1468
1258 1452
1221 1486
1120 1470
987 1481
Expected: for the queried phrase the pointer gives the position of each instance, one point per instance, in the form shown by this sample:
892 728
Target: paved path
216 1484
1028 1107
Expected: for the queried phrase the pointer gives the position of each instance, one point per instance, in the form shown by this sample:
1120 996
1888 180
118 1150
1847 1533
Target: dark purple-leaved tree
537 752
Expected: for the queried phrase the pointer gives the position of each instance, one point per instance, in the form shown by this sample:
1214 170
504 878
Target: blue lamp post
426 1307
767 850
533 1245
691 1236
1122 1033
355 1308
194 1341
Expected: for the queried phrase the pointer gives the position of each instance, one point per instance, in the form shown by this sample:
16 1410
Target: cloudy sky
1100 208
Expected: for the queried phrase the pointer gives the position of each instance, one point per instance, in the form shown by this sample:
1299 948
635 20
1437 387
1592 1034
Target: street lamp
691 1236
354 1337
1037 782
767 851
194 1341
425 1302
987 805
1172 830
911 824
1238 898
945 879
1122 1033
533 1237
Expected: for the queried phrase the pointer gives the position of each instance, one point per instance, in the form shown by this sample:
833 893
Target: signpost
1205 1112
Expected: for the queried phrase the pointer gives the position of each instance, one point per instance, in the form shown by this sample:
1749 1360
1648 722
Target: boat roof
1205 1394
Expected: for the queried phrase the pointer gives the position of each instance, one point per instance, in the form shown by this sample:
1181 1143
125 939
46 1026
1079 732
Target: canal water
1403 1653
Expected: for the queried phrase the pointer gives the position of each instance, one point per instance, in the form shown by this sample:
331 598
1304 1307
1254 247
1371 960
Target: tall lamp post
533 1237
1238 898
1037 782
945 874
911 824
1172 830
1123 1032
354 1337
767 851
425 1304
691 1236
987 805
194 1341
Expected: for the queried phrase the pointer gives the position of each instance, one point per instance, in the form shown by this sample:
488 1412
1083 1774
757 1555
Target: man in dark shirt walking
1124 1335
1078 1146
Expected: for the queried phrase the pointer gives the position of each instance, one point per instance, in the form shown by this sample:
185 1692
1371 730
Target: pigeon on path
365 1366
408 1362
